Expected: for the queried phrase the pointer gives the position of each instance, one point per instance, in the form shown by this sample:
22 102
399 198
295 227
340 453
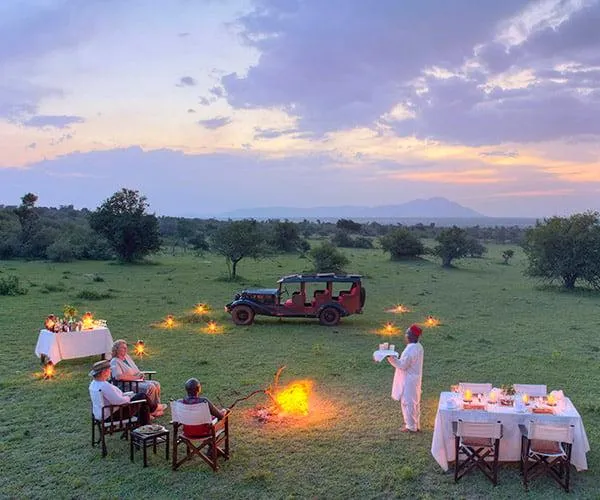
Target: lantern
389 328
211 327
201 308
400 309
50 323
170 321
431 322
48 370
525 398
551 400
87 321
468 395
493 397
139 348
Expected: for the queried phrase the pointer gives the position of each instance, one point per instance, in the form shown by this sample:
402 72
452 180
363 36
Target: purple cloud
271 133
191 110
203 101
186 81
214 123
56 121
339 64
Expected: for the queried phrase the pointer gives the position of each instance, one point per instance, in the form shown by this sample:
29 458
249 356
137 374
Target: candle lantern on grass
139 348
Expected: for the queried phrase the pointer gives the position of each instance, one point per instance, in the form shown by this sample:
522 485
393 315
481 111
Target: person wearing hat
406 387
103 393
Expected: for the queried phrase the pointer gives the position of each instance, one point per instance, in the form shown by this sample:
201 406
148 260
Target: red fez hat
415 329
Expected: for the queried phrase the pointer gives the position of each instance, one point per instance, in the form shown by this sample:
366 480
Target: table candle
468 395
525 398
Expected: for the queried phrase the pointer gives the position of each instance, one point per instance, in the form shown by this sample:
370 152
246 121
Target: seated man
193 389
124 368
102 394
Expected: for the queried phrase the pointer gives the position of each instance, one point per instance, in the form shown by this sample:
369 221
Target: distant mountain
433 207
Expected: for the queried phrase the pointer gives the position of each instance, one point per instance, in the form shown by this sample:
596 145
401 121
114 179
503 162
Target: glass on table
455 388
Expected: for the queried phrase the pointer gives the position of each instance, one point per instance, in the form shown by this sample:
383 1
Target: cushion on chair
477 442
543 447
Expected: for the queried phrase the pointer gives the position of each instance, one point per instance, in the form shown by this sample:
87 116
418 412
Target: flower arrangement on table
69 321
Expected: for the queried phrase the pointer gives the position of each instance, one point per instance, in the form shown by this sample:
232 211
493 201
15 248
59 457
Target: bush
92 295
61 251
328 259
11 286
402 244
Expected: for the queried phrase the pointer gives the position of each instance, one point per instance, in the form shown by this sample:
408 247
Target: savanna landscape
496 326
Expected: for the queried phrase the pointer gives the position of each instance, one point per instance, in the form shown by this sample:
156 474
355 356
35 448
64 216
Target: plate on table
150 429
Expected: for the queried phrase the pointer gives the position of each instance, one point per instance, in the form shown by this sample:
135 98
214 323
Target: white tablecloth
69 345
443 447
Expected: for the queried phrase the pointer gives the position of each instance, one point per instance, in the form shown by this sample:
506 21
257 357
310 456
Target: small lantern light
551 400
431 322
400 309
170 321
525 398
87 321
50 323
211 327
139 348
201 308
493 397
389 328
468 395
48 370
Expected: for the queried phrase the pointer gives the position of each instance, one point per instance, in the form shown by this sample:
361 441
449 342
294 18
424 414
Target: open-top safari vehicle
326 296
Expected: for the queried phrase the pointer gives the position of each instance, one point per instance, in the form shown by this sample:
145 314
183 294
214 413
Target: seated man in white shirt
103 393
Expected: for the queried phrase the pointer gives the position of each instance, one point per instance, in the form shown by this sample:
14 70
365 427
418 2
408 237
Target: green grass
497 326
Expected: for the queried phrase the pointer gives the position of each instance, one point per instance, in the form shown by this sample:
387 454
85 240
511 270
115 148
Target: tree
285 237
401 244
237 240
123 221
348 225
565 249
452 244
476 248
328 259
507 255
29 219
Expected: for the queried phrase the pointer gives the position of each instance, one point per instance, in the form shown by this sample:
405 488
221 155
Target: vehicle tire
363 297
242 315
329 316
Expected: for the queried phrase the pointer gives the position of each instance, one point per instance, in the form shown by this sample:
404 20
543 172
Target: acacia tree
237 240
401 244
507 255
327 259
565 249
122 219
453 243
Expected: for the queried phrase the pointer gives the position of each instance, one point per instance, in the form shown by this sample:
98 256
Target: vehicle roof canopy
321 278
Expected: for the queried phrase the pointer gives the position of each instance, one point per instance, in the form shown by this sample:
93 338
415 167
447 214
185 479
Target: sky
208 106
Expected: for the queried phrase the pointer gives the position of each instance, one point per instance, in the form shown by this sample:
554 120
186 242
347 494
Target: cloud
191 110
203 101
19 99
186 81
271 133
61 139
183 35
500 154
55 121
342 64
32 145
214 123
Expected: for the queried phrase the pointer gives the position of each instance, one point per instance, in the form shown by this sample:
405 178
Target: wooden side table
143 441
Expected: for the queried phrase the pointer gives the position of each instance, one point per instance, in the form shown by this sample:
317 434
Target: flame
87 321
388 329
49 371
201 308
139 348
431 322
211 327
170 321
293 398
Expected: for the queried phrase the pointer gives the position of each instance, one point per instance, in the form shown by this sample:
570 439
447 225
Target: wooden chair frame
116 421
216 442
476 454
535 463
132 385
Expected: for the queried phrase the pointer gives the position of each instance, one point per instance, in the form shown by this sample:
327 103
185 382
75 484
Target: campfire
293 398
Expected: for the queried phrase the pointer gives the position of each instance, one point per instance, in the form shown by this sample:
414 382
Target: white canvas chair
475 388
474 443
210 439
546 448
531 389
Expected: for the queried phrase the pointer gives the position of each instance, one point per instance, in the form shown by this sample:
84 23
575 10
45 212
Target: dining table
451 408
56 346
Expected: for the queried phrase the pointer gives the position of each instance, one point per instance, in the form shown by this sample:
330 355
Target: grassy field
497 327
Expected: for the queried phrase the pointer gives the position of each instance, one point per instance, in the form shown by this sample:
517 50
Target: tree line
564 249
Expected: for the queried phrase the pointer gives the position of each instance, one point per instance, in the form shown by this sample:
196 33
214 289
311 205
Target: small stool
144 440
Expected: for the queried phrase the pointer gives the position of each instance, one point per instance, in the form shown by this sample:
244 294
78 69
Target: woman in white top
124 368
407 379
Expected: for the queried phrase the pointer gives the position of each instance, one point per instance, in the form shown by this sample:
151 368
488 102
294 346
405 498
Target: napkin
380 355
559 395
474 406
543 410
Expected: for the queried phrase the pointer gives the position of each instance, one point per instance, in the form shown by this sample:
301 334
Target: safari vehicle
326 296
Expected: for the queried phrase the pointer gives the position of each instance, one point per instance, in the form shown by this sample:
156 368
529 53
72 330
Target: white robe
406 387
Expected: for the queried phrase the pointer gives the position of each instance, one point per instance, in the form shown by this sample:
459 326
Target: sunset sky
207 106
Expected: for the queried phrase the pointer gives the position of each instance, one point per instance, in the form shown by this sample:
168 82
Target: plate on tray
150 429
